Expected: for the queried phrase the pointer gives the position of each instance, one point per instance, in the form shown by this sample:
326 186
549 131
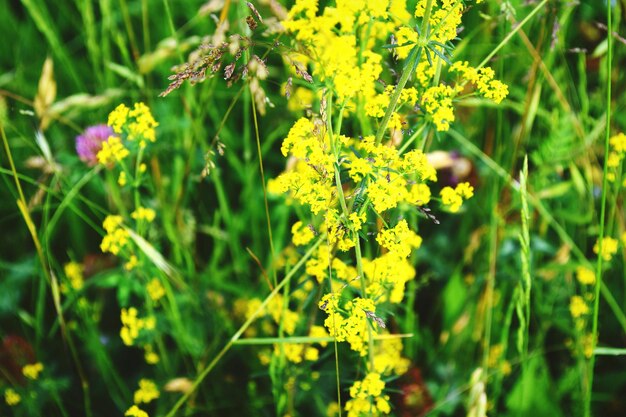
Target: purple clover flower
90 142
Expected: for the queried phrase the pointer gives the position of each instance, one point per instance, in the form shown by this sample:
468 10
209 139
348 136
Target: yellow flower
32 371
115 241
121 179
155 290
143 126
132 324
451 199
135 411
301 234
118 117
577 306
74 273
618 143
366 397
143 213
585 275
11 397
400 240
609 248
112 150
132 263
150 356
147 392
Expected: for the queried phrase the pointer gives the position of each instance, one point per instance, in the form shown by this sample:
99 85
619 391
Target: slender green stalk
526 283
262 171
205 372
512 33
605 185
413 57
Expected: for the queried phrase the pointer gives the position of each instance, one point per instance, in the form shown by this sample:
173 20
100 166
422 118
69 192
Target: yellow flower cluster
348 323
74 274
453 197
132 325
151 357
616 156
33 370
116 237
366 397
113 150
358 184
399 240
138 123
332 39
146 393
387 276
142 213
577 306
11 397
155 290
301 234
135 411
483 80
585 275
609 248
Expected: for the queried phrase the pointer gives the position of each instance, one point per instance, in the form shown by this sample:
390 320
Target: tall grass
489 323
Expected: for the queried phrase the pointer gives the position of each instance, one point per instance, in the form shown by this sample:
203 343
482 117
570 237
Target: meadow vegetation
302 208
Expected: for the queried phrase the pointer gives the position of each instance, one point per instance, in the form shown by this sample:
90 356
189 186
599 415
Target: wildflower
143 125
113 150
135 411
400 240
91 141
450 198
147 392
585 275
155 290
366 397
301 234
359 168
121 179
11 397
74 273
388 357
32 371
453 198
609 248
618 143
143 213
132 263
577 306
150 356
118 117
117 236
131 325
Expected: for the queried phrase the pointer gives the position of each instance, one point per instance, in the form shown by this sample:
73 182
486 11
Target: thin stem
508 37
393 101
261 170
605 185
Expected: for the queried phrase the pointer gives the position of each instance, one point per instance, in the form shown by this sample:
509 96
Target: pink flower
90 142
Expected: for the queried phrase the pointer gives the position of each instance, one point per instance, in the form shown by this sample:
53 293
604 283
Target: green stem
508 37
605 185
409 67
412 59
262 171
